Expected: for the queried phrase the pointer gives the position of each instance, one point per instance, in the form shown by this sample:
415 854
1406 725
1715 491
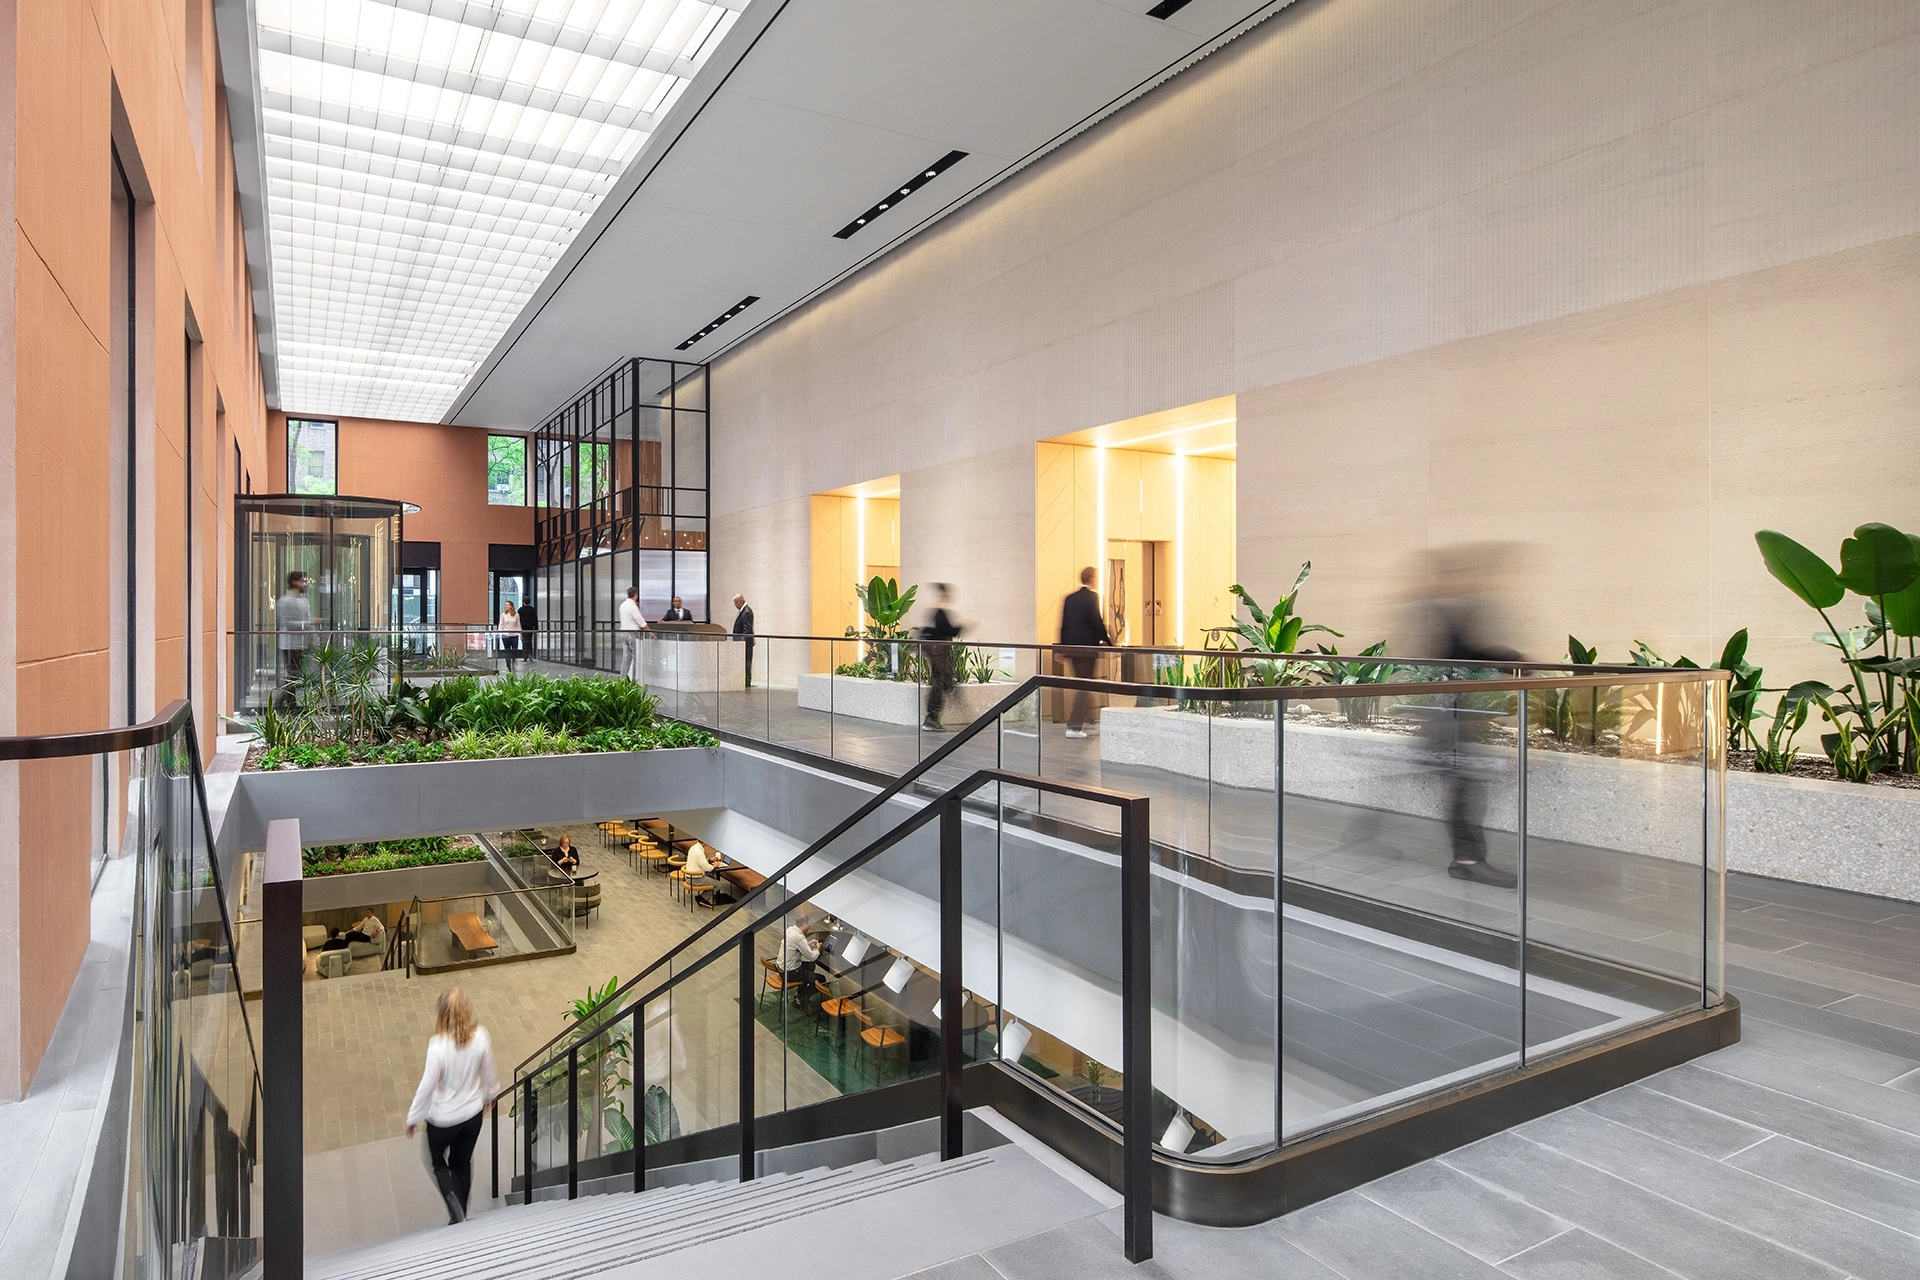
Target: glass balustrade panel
1400 913
1618 791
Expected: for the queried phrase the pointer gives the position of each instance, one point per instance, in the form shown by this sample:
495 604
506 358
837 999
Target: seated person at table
202 949
563 857
335 941
368 929
797 955
698 863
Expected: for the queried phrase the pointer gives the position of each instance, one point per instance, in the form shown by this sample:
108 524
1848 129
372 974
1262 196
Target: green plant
1789 715
604 1056
385 855
1278 630
1097 1078
885 605
1881 704
1743 693
1360 711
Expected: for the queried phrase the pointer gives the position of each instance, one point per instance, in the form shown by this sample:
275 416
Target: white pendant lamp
1013 1042
896 979
856 950
1179 1133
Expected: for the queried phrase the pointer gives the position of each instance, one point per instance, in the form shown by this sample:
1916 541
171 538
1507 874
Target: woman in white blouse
454 1091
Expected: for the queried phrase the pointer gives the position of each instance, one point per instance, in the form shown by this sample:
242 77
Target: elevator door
1136 608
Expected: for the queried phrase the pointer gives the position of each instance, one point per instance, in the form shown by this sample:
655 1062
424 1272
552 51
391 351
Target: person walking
1081 626
455 1089
293 620
941 630
509 633
632 623
529 627
743 630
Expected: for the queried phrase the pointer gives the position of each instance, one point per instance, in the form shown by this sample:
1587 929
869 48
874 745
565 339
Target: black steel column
951 1103
746 1056
493 1145
1279 905
1136 1000
527 1118
637 1064
573 1122
283 957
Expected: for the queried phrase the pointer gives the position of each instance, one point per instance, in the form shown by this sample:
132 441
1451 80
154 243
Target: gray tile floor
1795 1153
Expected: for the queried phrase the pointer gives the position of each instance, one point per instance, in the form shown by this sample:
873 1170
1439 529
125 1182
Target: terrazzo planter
896 701
1837 834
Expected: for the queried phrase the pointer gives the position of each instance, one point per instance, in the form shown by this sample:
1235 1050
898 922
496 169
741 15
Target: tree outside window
313 464
507 471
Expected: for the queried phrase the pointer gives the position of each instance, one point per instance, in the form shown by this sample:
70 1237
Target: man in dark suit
1082 625
529 628
677 613
743 628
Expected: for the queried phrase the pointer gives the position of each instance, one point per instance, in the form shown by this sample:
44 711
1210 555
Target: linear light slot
901 192
720 319
1167 8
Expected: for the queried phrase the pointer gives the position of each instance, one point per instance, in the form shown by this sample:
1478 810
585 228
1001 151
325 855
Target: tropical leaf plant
1876 716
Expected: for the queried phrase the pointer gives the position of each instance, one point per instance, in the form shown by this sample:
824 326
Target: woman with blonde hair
455 1089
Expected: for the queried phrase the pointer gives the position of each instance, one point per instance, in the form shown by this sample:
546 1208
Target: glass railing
492 926
191 1199
1364 891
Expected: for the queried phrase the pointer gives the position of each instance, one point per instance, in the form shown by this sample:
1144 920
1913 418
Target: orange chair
878 1037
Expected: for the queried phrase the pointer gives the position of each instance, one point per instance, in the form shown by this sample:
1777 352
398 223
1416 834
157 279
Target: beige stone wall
1622 283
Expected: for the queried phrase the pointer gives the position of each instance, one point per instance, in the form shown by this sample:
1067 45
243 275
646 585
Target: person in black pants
942 629
455 1091
529 627
743 629
1081 625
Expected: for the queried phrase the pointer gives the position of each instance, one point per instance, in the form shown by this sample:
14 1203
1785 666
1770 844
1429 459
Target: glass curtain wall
620 495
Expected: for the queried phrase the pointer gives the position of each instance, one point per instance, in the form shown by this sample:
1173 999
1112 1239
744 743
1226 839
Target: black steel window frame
591 523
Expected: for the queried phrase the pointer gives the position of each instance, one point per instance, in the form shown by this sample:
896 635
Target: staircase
867 1220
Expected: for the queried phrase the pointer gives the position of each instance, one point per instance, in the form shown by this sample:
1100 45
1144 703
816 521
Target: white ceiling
429 161
809 113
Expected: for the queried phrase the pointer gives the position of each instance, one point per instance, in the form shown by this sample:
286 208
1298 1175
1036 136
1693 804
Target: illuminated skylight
428 161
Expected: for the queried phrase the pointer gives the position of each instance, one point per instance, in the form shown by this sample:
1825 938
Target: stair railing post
282 1081
493 1144
1136 1000
746 1056
637 1058
573 1122
951 1102
527 1125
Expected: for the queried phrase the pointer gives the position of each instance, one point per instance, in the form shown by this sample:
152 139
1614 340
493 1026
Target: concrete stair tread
560 1238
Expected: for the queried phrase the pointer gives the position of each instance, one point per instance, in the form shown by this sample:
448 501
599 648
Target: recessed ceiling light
919 180
721 319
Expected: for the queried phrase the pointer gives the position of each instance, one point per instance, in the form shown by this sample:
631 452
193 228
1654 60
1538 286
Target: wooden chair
677 881
694 886
651 855
878 1037
838 1008
771 979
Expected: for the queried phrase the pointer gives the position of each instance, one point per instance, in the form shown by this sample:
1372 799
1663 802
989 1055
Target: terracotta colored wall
443 470
60 337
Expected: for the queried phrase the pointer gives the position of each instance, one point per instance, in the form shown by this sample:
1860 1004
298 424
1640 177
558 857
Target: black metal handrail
1136 982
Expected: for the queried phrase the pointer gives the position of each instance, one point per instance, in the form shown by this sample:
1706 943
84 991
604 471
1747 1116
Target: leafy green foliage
1875 717
885 605
1277 630
386 855
575 704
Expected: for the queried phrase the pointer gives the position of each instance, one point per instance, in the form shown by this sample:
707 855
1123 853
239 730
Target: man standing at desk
677 613
743 629
632 623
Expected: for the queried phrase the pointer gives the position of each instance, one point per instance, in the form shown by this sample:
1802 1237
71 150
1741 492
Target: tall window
313 464
507 471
